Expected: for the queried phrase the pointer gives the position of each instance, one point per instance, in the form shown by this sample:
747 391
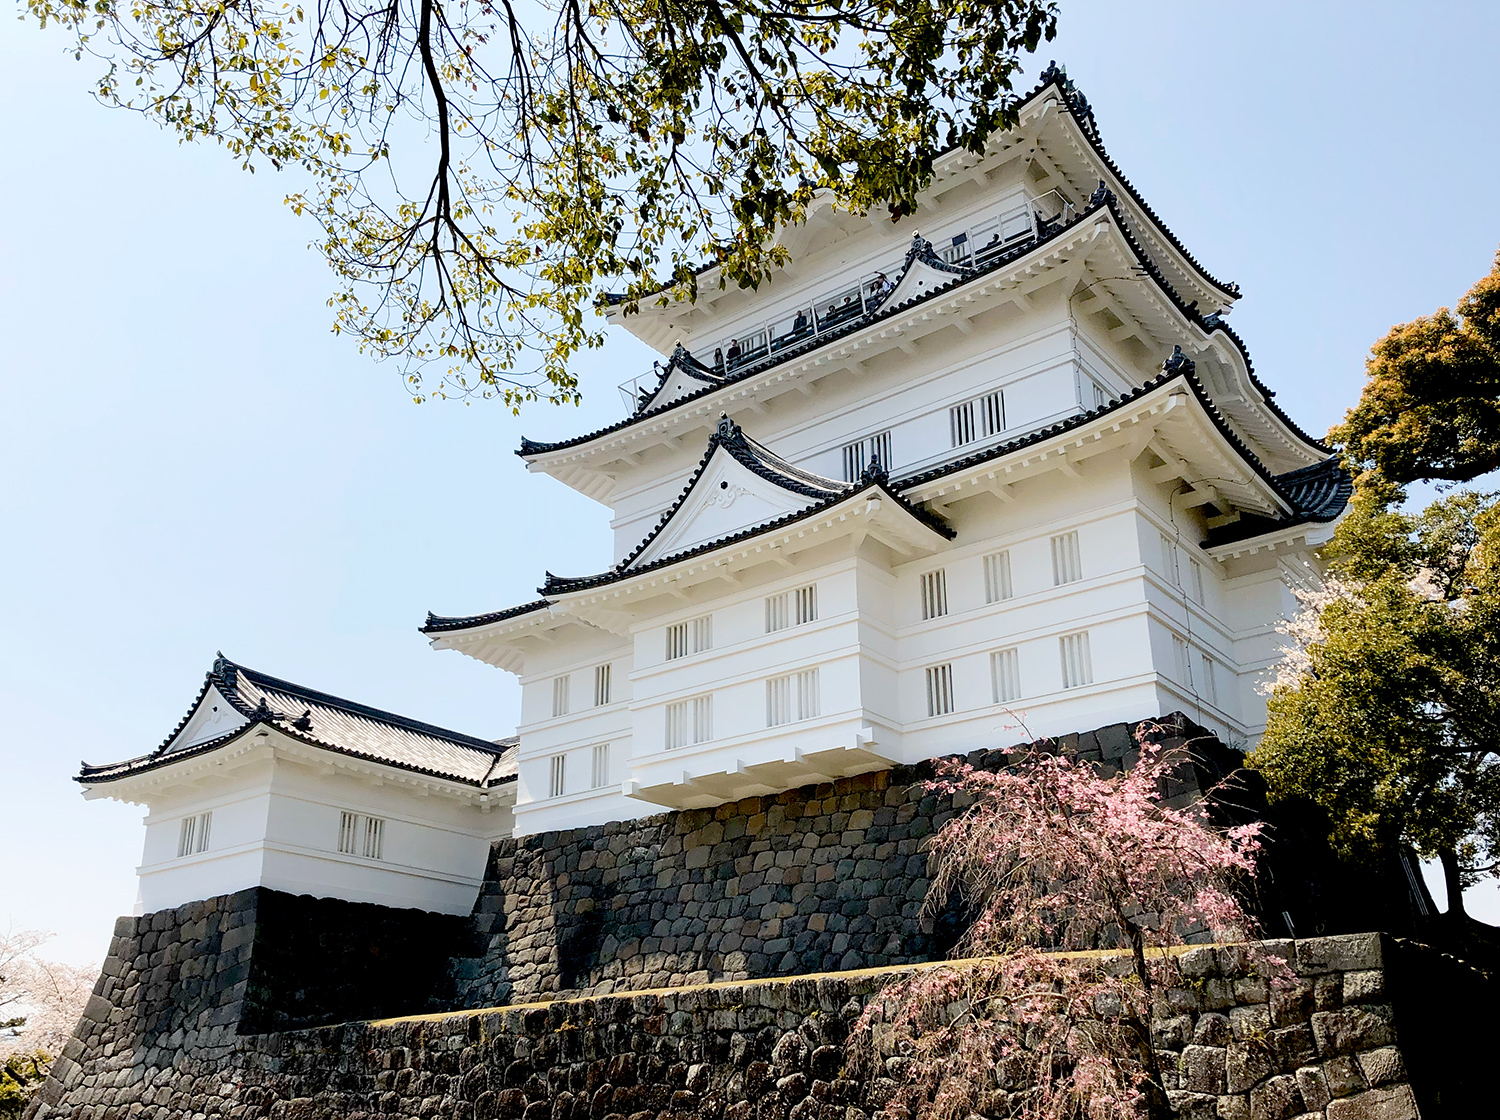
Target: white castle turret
918 489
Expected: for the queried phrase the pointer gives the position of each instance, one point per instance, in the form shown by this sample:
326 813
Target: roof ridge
365 711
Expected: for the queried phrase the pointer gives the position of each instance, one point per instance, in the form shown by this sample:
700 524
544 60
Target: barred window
1210 683
1197 583
361 835
1005 675
690 722
934 593
1182 657
1077 668
693 636
1067 562
792 608
192 835
601 685
1168 558
858 454
557 775
939 690
997 577
977 419
599 771
560 687
792 697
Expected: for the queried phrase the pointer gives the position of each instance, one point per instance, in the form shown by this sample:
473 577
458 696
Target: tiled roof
1319 494
1103 200
331 723
438 623
826 492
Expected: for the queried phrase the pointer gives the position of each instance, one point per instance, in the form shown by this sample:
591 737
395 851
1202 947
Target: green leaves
1431 406
634 141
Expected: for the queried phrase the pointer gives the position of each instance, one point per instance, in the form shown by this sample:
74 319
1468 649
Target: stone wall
1353 1039
811 880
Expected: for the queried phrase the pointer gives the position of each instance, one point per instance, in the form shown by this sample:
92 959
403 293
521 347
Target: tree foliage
1386 713
1431 406
1054 855
481 170
41 1002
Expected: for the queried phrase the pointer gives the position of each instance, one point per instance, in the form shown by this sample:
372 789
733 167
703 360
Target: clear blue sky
191 462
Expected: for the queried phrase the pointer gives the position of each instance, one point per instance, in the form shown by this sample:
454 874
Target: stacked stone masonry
821 878
1367 1031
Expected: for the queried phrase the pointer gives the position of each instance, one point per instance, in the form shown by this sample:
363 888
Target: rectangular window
693 636
560 687
997 577
1100 393
792 608
1182 659
977 419
1168 558
601 685
939 690
1197 584
599 772
1005 675
557 775
360 835
1210 683
1077 668
1067 562
690 722
858 454
374 837
192 835
934 593
792 698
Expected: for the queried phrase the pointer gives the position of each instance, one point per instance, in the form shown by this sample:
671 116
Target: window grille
599 772
601 685
557 776
934 593
858 454
192 835
939 690
1005 675
1077 669
1168 558
693 636
792 608
997 584
560 687
1197 584
793 697
977 419
1101 394
690 722
360 835
1210 679
374 837
1184 662
1067 563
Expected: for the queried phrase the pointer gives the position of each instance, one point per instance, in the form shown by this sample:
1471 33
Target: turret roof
322 720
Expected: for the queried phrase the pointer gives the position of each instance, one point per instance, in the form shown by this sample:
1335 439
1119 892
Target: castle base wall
1372 1029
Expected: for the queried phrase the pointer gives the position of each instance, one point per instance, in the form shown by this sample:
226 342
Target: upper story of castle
1034 284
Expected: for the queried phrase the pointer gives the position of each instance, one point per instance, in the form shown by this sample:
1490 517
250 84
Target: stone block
1394 1103
1275 1099
1351 952
1247 1064
1364 987
1187 1105
1382 1066
1201 1069
1314 1087
1350 1029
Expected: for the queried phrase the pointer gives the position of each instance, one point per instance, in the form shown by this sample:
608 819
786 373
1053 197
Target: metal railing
973 247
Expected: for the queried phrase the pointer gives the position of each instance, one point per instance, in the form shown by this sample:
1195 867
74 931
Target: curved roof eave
1208 325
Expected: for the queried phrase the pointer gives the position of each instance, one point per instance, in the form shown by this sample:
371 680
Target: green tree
1431 406
481 172
1387 711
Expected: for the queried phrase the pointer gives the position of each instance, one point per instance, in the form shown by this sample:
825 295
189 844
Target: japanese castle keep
999 470
995 472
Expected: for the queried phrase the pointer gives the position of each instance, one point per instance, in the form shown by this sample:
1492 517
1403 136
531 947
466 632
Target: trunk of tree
1453 882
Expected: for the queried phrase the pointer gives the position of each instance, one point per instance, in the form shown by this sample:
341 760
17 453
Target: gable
920 277
677 384
727 498
213 718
